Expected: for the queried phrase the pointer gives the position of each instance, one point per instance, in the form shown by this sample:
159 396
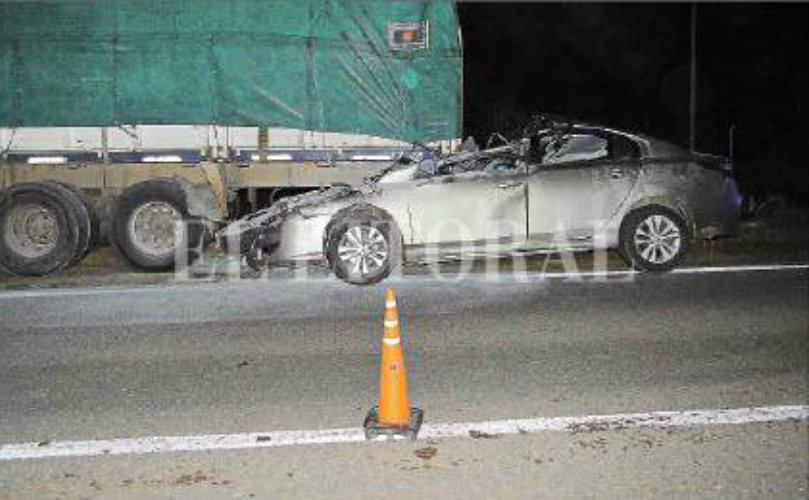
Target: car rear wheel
653 239
363 247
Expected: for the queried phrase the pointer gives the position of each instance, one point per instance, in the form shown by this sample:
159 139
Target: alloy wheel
658 239
363 250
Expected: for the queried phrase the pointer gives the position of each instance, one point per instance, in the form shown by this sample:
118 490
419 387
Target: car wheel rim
658 239
31 230
363 250
154 227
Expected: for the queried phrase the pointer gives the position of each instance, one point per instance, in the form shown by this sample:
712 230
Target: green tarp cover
323 65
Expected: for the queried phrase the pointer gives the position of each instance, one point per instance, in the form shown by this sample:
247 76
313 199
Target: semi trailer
147 124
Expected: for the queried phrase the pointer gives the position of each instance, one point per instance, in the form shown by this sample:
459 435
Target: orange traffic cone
393 417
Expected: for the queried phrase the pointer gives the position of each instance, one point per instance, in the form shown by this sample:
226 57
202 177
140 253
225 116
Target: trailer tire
150 220
92 215
85 215
41 229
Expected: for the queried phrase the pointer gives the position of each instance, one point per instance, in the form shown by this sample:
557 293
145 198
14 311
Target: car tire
145 225
257 260
653 238
363 245
42 229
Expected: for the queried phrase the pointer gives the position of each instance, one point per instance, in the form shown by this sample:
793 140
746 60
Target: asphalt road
285 355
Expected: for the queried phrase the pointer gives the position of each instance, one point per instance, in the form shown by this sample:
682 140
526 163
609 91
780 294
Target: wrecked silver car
561 187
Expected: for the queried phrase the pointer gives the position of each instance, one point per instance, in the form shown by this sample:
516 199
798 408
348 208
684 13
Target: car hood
277 211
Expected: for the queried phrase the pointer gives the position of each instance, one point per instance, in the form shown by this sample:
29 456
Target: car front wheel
362 247
653 239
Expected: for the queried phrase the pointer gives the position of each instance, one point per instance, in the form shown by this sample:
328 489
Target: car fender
666 200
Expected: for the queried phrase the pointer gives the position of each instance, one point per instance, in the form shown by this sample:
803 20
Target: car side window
623 148
574 148
499 167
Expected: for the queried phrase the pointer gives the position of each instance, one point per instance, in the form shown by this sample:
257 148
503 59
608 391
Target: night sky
627 65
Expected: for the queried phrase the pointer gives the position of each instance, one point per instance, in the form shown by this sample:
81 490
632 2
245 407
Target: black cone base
374 431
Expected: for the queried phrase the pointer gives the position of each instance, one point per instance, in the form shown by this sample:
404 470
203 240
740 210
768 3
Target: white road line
522 276
78 292
738 269
210 442
680 270
168 287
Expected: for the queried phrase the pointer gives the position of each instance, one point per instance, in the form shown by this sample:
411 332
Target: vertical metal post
5 167
252 198
105 145
730 133
692 102
263 143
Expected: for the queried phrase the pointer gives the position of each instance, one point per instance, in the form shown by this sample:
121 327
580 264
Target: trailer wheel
151 225
92 215
85 215
41 229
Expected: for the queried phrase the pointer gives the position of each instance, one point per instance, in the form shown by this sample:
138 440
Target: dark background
627 66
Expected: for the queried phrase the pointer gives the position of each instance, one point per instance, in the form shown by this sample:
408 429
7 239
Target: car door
470 211
577 185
